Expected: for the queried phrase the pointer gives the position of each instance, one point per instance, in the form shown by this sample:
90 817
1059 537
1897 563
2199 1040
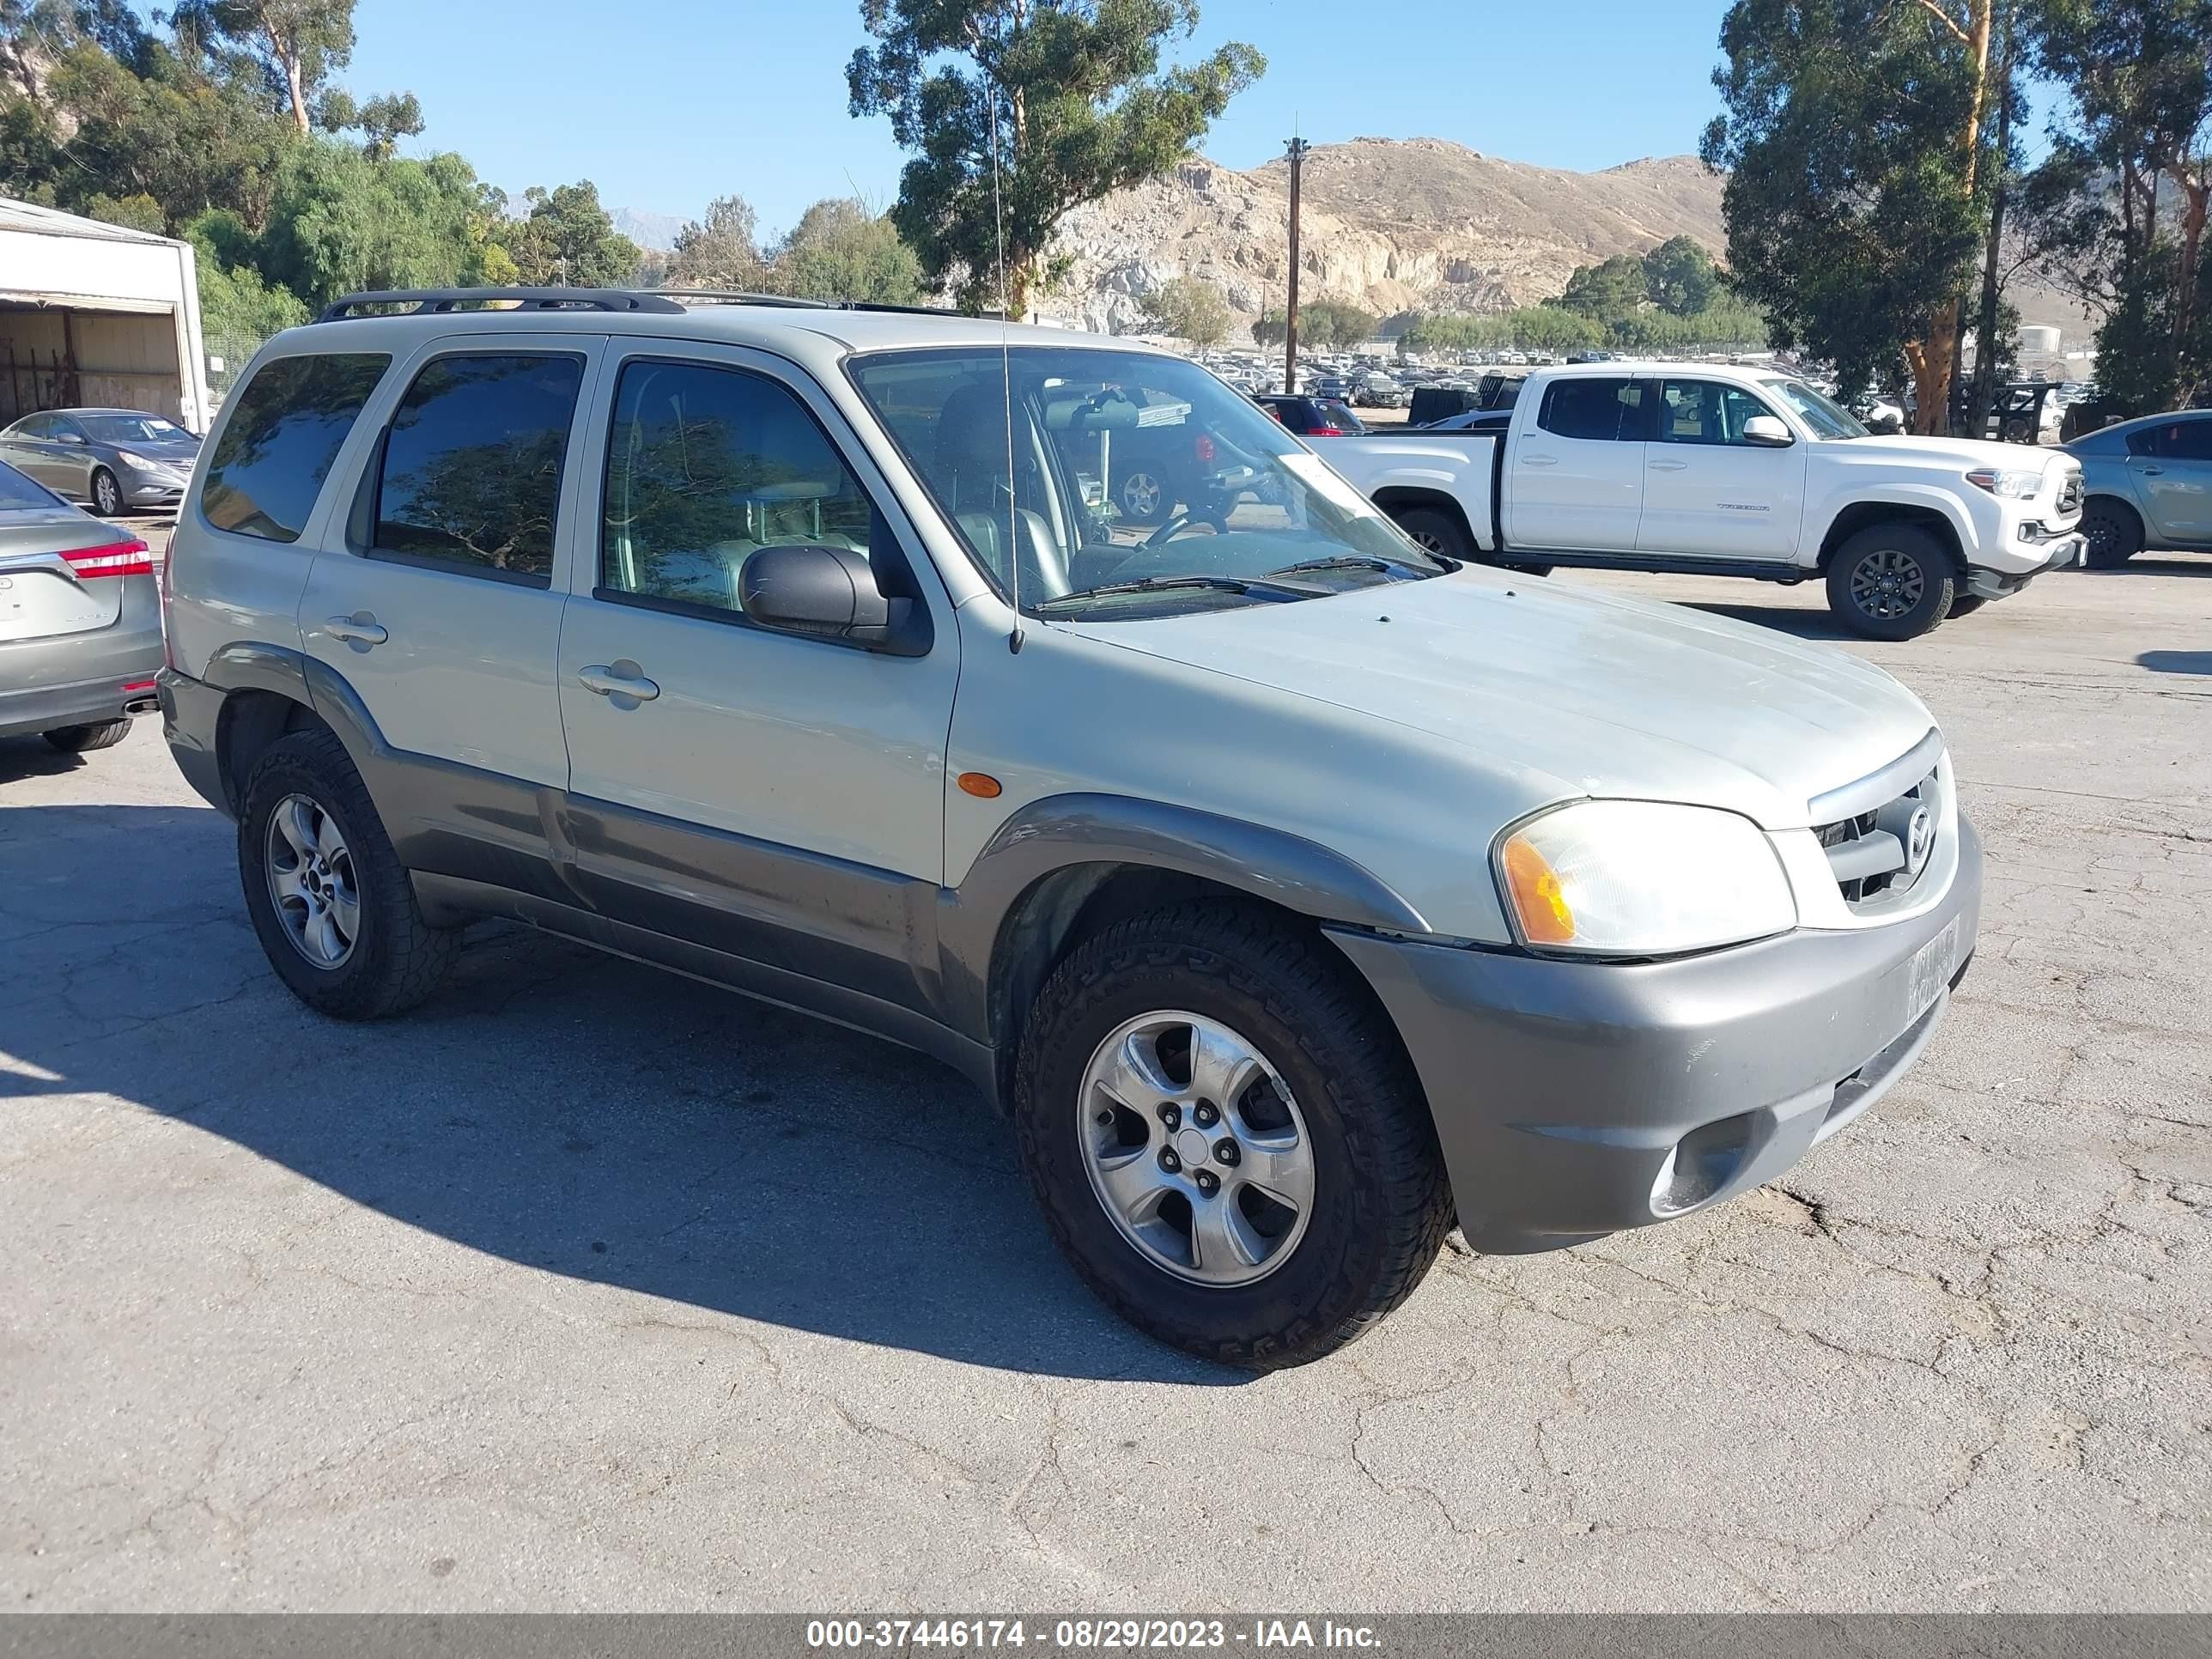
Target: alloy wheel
1140 494
106 496
1195 1149
1887 583
311 882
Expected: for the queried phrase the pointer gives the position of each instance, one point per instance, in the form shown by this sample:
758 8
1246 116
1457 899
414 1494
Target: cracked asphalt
586 1287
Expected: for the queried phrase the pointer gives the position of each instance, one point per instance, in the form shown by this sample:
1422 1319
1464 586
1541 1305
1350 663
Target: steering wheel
1213 518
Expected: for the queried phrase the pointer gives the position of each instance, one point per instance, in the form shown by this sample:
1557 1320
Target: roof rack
420 301
424 302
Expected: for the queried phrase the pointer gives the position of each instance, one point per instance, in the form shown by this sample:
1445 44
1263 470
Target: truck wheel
83 739
328 898
1892 581
2113 532
1143 496
1434 530
1227 1141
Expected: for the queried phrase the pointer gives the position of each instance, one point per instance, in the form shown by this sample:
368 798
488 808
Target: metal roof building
97 314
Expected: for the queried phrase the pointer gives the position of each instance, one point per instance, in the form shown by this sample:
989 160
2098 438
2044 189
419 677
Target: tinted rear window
278 447
18 491
472 469
1603 410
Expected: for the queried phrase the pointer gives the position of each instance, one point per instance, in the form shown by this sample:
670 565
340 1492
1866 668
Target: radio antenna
1006 389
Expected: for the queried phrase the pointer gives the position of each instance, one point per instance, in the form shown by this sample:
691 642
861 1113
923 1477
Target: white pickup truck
1727 472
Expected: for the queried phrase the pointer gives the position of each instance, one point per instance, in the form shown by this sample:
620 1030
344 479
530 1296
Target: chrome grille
2069 492
1878 854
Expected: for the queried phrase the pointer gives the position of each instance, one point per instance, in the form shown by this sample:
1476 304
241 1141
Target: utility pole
1297 149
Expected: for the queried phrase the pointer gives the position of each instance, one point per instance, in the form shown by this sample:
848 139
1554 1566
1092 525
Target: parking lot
588 1287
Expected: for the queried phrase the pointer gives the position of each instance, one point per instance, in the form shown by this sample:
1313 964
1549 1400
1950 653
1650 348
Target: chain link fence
228 354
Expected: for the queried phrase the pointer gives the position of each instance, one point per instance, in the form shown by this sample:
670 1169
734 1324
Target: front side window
1116 485
1826 417
1705 412
1594 410
471 474
706 466
278 444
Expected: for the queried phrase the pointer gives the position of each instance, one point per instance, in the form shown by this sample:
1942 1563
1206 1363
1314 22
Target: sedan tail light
1326 432
125 558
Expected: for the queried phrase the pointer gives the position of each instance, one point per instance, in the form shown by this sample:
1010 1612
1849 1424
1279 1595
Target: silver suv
1295 890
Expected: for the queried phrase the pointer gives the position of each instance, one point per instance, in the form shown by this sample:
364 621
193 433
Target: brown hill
1391 225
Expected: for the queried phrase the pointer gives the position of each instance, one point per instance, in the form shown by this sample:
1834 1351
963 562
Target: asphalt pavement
588 1287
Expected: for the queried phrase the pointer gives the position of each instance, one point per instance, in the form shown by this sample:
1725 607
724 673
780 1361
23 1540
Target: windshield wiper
1273 590
1358 561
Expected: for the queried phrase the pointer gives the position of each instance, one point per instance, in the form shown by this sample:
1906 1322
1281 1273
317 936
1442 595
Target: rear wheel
83 739
106 494
1226 1138
1892 581
1142 496
2112 532
328 898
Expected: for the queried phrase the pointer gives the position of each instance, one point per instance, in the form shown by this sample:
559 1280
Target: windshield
1828 418
1127 471
132 429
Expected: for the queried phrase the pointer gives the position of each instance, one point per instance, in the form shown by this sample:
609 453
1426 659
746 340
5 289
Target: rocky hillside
1390 225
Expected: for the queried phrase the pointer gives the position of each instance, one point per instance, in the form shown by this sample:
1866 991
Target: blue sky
664 104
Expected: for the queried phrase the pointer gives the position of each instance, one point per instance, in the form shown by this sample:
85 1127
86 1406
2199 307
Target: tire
1377 1204
1904 553
1964 606
106 494
1436 531
83 739
1144 496
2113 532
393 958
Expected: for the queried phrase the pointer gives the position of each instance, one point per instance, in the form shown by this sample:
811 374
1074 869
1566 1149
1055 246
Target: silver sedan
116 458
79 621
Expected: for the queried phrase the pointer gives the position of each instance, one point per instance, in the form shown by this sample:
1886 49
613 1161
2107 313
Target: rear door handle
607 683
1540 460
2153 472
360 629
1669 466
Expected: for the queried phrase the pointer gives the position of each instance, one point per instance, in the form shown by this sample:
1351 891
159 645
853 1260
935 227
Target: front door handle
608 683
1540 460
1669 466
2153 472
360 629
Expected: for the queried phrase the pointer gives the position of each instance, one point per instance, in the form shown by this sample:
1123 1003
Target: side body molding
1079 839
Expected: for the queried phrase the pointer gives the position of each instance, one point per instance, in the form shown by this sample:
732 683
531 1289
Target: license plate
1930 970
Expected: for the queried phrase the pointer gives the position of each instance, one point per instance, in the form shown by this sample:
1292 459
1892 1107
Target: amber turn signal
1538 900
982 785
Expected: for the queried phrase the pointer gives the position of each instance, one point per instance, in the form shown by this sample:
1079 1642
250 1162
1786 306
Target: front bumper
2024 561
1575 1099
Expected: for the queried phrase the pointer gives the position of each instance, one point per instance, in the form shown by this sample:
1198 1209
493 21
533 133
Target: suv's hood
1609 697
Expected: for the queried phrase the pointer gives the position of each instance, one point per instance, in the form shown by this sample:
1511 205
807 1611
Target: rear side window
472 473
2178 441
278 447
1603 410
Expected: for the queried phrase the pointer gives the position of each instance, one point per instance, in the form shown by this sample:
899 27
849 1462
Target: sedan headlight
2016 486
139 461
1642 878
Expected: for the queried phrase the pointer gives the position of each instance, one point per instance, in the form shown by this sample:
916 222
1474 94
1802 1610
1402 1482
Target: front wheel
1226 1137
106 494
1892 581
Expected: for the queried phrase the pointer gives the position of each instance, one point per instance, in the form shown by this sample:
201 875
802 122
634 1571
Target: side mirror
829 593
1767 432
76 438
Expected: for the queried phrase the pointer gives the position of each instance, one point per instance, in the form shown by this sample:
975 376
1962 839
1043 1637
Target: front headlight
1642 878
139 461
2015 486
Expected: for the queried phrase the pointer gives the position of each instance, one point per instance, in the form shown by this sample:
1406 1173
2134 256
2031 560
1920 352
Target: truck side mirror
1767 432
